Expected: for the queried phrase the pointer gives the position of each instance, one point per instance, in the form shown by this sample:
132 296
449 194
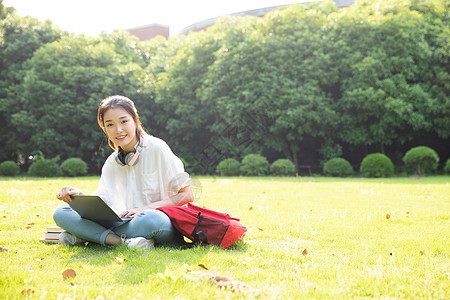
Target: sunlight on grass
375 238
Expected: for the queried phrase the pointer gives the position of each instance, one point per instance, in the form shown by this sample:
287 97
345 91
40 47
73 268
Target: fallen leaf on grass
27 291
422 252
27 227
69 273
234 286
260 229
203 266
305 252
221 278
3 249
250 208
119 260
388 216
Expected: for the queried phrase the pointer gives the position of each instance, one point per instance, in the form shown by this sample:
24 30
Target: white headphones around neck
130 158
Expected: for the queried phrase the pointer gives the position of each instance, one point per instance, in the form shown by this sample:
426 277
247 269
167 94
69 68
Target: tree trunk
292 156
295 162
381 145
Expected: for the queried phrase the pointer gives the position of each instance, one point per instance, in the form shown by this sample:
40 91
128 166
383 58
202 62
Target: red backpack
204 226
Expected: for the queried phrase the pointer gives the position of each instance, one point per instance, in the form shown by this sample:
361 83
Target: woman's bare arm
184 196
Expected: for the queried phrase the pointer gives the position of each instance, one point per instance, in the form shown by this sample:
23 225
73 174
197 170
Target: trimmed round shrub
337 167
9 168
422 159
447 166
282 167
254 165
377 165
229 167
74 167
44 168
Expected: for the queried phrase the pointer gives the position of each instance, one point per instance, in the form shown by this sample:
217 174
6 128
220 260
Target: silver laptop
95 209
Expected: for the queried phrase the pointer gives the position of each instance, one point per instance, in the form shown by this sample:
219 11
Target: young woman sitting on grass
139 176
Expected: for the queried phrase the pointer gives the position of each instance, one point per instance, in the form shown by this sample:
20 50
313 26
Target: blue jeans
149 224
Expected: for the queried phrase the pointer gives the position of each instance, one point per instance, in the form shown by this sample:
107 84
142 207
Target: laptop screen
95 209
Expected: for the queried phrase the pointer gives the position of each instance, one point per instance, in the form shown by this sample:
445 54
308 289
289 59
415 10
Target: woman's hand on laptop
65 193
132 212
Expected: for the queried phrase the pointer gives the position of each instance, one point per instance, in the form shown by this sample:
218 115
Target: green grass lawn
353 249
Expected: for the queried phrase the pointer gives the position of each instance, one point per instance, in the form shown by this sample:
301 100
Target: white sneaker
138 243
69 239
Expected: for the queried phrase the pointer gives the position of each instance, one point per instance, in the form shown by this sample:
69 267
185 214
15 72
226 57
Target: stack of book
52 234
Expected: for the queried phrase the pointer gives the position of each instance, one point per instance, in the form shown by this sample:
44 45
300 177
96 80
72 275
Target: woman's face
120 128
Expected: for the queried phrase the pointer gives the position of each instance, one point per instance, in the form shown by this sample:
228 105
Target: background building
147 32
259 12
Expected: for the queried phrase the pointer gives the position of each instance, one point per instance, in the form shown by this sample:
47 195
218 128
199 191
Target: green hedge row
47 168
255 165
420 160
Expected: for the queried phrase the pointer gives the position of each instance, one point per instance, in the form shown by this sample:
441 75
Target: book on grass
51 234
54 229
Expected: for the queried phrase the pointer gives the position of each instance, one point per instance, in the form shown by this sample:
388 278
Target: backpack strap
199 236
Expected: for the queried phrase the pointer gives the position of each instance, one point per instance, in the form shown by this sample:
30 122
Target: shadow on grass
138 264
139 268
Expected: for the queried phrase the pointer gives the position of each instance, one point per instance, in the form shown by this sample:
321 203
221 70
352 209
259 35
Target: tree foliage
19 39
384 98
182 110
60 92
306 82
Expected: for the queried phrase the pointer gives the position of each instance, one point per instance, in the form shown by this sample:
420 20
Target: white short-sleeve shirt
156 176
